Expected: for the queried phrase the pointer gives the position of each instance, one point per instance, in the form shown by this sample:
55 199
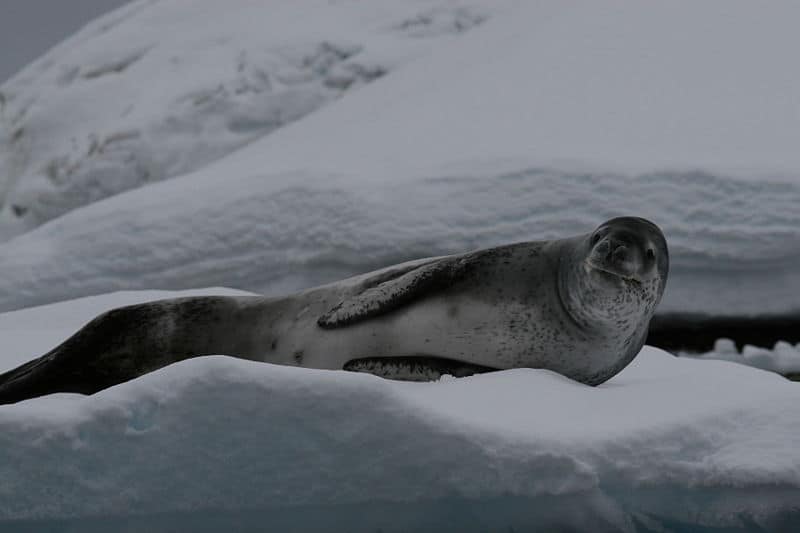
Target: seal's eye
651 254
598 234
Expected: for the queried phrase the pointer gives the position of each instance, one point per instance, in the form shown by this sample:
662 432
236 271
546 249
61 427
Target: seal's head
616 274
629 248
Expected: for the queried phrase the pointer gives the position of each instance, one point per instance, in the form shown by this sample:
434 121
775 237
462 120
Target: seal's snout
619 253
631 248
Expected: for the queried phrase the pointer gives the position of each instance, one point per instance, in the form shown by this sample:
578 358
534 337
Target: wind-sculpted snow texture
667 442
157 89
543 121
729 253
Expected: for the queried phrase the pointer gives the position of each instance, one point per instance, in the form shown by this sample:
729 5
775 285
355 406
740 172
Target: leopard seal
579 306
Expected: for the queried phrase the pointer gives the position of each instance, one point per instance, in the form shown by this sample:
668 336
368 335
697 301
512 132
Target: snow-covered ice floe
670 444
783 358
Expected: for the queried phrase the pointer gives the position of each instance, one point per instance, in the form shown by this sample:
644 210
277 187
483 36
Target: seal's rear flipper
125 343
14 384
77 365
39 377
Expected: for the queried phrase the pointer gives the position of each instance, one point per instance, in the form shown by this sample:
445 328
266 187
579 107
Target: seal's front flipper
415 368
397 292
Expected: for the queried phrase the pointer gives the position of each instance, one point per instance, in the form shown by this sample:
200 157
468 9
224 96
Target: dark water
697 332
640 511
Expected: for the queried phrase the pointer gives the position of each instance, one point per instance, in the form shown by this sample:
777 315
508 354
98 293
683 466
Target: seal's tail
125 343
71 367
24 382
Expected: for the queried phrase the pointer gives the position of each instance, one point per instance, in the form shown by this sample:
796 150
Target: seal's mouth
618 275
415 368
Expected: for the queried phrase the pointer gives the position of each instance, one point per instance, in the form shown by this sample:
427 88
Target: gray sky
29 27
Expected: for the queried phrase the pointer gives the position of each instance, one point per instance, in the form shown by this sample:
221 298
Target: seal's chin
415 368
610 271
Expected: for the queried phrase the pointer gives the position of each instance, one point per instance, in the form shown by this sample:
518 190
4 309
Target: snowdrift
157 89
541 122
217 440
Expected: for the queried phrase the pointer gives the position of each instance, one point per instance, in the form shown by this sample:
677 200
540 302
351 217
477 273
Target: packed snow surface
541 122
668 441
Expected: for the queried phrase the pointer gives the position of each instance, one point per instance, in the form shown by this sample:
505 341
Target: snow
668 441
274 146
540 122
610 86
153 90
783 358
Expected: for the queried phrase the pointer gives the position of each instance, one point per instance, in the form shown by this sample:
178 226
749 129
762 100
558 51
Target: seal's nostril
603 248
620 253
651 254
